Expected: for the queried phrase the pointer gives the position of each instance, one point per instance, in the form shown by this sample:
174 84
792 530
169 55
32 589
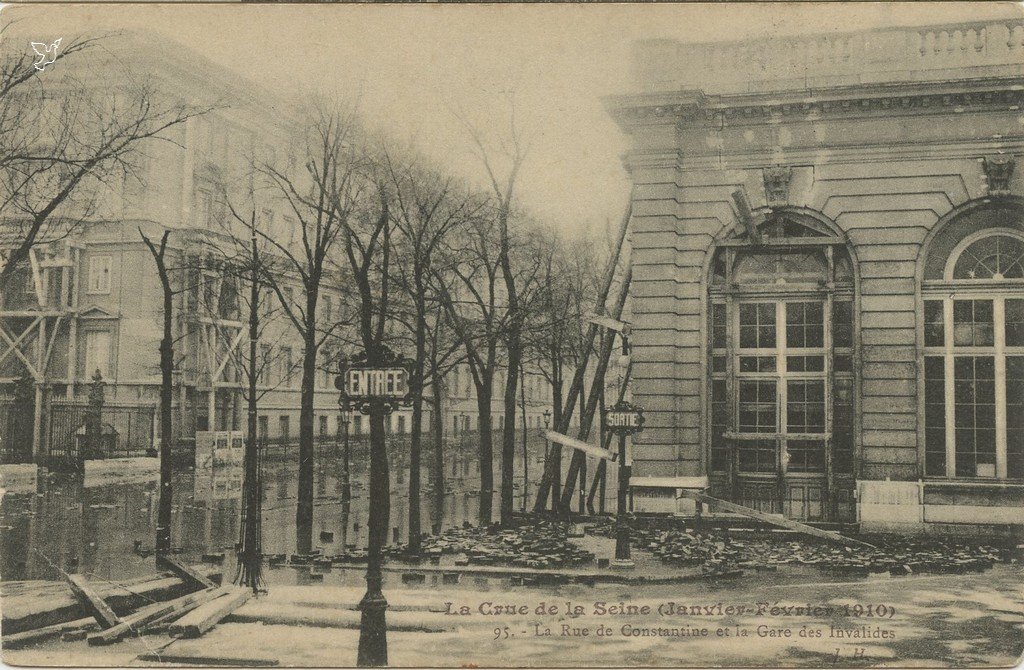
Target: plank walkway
34 604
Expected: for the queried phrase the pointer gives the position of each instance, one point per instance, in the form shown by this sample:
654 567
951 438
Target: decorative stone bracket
776 185
998 170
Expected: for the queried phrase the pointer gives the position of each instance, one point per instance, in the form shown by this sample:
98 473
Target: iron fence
15 441
124 431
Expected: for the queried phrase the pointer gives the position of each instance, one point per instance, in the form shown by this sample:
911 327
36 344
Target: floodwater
94 526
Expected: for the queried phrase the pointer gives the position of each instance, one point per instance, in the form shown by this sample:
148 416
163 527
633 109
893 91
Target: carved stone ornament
776 185
998 170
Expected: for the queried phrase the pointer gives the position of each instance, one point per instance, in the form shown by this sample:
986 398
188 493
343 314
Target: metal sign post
376 387
622 419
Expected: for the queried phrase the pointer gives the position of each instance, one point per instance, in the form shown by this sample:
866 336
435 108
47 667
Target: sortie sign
624 418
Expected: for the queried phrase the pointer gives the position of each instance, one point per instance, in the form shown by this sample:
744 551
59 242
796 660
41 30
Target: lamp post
622 419
547 423
345 417
377 383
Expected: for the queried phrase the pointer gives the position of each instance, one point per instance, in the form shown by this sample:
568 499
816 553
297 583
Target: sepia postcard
512 336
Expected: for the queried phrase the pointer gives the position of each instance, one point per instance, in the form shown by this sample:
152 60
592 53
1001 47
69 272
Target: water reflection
93 527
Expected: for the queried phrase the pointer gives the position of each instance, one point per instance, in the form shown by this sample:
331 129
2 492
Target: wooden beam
217 661
775 520
580 445
37 279
209 614
13 344
610 323
227 357
150 614
548 485
95 605
184 572
578 460
16 640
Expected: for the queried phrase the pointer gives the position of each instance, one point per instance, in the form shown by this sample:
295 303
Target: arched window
781 378
973 293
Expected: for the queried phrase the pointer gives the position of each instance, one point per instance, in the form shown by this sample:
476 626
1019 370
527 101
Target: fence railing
15 441
123 431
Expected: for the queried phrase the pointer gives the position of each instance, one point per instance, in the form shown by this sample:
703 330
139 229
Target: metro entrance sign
386 384
392 383
377 389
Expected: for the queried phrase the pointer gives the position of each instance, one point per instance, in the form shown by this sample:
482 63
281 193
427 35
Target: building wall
883 163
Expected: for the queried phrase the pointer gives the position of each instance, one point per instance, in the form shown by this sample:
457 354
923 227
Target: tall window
99 274
781 368
974 348
97 353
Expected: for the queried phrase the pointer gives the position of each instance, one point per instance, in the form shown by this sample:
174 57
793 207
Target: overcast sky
412 64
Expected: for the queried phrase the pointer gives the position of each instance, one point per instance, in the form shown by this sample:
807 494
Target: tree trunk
415 441
484 430
163 523
163 516
304 509
437 424
508 435
250 558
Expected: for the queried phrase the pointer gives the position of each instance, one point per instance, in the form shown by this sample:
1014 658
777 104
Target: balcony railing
897 54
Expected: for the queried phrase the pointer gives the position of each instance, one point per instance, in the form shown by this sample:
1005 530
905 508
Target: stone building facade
91 301
828 273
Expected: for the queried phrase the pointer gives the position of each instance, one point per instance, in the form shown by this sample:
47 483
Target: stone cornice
689 107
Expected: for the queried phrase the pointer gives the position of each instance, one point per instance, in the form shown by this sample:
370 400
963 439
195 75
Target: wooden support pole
548 483
578 459
601 477
780 521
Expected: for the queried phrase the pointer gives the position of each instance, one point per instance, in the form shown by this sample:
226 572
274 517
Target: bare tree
428 208
473 301
320 194
366 242
241 259
502 164
63 139
163 521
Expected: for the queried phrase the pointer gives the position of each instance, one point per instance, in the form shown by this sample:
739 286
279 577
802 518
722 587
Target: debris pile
719 552
541 545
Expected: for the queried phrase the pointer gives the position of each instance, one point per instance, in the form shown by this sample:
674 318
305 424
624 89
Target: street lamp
547 423
345 418
623 419
377 382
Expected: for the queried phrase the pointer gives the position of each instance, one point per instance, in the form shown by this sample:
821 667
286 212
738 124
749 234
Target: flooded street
93 525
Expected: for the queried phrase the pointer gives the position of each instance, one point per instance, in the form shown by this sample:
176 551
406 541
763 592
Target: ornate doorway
782 370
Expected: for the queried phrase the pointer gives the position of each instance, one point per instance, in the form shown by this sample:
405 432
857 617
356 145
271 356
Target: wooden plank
16 640
185 573
585 447
209 614
94 604
28 605
773 519
215 661
150 614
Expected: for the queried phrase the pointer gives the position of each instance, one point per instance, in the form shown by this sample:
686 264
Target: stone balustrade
813 61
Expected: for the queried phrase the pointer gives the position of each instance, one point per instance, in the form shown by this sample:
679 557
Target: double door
778 401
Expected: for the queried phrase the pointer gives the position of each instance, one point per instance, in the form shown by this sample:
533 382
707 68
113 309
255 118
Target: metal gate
124 431
15 433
